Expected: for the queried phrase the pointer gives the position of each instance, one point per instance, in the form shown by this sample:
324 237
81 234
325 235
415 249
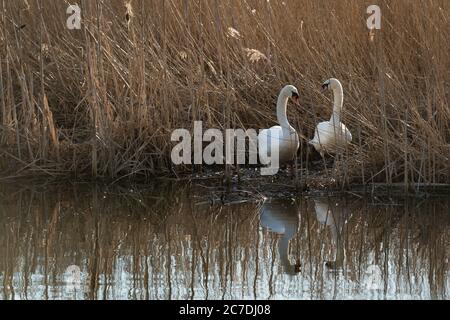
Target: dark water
172 243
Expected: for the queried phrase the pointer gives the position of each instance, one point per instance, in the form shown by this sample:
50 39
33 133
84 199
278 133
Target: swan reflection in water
281 217
334 216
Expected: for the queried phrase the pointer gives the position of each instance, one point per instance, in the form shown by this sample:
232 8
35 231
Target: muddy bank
245 185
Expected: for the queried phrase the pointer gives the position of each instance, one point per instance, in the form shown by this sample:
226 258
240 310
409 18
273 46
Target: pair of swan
330 136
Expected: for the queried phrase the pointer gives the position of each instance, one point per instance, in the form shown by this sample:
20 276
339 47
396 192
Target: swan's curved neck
338 104
282 112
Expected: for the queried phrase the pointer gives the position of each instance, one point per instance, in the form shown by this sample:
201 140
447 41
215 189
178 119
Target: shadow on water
165 242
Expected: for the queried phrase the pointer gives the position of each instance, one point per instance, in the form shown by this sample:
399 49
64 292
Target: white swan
281 217
333 215
283 135
332 136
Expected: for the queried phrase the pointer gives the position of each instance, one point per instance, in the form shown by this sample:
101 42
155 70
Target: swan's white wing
347 134
265 140
329 137
323 133
287 143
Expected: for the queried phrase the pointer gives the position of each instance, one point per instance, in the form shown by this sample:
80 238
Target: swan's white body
284 136
281 218
332 136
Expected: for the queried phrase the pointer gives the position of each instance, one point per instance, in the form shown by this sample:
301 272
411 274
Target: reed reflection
282 217
334 216
157 243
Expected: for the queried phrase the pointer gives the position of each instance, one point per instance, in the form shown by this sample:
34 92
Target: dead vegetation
102 101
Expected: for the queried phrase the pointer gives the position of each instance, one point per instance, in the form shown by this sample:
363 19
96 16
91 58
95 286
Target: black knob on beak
296 98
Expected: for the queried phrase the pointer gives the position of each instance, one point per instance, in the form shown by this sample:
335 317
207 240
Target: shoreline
279 186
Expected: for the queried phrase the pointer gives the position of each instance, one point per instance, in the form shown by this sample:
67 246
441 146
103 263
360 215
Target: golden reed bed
102 101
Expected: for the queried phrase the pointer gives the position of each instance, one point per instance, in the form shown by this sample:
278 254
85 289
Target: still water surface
173 243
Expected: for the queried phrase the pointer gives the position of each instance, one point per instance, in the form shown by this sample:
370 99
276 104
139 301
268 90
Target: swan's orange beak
296 100
324 89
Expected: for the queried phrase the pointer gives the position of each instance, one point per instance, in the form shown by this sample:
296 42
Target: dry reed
102 101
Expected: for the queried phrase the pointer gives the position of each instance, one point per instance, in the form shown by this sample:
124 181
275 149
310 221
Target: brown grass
102 101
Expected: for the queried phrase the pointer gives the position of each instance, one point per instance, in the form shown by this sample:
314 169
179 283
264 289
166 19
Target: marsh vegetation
102 101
